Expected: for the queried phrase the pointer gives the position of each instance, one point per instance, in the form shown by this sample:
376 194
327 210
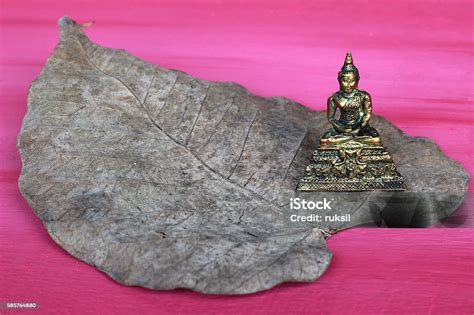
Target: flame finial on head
348 66
348 60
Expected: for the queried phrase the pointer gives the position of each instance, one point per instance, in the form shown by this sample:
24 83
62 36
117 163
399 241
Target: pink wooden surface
416 60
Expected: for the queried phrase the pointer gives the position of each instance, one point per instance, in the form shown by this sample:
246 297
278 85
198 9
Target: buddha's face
348 82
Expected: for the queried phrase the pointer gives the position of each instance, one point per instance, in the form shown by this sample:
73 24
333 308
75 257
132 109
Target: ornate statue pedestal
351 166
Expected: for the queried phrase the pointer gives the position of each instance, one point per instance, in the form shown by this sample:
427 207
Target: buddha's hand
338 126
355 131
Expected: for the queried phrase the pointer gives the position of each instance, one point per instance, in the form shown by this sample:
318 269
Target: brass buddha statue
350 156
355 107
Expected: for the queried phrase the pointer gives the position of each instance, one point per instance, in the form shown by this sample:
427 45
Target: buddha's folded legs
332 136
368 135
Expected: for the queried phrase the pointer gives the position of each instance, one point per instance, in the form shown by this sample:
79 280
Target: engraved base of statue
351 156
351 166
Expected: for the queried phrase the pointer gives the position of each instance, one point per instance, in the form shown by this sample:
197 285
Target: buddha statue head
348 77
